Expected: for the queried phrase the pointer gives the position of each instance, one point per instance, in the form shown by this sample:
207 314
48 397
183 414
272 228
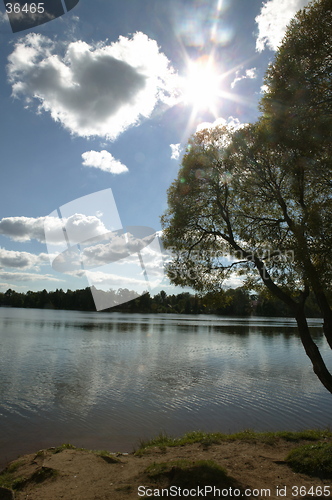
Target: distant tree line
230 302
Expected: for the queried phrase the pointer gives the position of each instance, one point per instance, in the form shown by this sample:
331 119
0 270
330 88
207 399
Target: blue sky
105 98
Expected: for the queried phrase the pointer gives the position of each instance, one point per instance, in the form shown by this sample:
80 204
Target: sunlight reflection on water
105 380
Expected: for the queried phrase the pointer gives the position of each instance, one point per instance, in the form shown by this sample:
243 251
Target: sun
201 86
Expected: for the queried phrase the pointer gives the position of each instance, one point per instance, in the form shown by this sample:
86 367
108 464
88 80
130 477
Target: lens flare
201 86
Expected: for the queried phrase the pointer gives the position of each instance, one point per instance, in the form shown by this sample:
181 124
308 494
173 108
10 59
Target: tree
236 205
297 113
299 92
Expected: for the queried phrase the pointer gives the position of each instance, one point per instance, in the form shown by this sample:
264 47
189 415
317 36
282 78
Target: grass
314 460
8 478
64 446
43 474
207 439
106 455
14 466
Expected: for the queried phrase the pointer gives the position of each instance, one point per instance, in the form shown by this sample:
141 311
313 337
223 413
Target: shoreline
130 445
247 461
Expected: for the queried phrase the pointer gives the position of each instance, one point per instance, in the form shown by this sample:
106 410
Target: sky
96 108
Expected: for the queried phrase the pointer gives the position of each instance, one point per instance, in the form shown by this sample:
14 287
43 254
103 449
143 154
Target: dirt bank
72 474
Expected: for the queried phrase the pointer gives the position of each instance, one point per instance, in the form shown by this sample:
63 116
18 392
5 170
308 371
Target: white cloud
92 90
250 73
120 247
176 150
79 227
26 228
101 278
21 260
10 276
104 161
231 122
273 20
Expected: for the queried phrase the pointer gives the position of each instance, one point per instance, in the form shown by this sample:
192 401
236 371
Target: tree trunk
312 350
297 309
327 315
316 285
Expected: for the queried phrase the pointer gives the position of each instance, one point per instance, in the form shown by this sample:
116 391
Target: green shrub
313 459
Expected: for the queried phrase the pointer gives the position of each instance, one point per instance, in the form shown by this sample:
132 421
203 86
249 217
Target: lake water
105 380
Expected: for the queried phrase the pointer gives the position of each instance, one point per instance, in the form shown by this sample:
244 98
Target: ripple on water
72 376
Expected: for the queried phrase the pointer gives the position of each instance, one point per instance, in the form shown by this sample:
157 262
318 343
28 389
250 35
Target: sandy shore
72 474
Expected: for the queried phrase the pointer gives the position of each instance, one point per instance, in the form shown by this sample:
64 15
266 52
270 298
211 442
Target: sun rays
201 86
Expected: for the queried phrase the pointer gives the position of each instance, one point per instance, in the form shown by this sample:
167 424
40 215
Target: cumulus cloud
78 227
21 260
176 150
25 228
273 20
120 246
231 122
250 73
117 246
92 90
131 260
104 161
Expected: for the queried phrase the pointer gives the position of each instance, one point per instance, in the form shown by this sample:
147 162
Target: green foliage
64 446
297 119
248 212
14 466
314 460
248 435
8 477
6 480
298 102
231 302
11 479
104 454
78 300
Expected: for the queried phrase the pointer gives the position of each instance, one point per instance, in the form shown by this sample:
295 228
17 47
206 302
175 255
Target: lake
105 380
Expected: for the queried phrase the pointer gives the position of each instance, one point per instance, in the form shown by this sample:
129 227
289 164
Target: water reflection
106 380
